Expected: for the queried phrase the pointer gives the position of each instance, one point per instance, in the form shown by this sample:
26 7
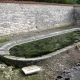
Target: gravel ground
71 74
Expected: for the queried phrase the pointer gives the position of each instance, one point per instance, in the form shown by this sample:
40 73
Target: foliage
65 1
57 1
78 1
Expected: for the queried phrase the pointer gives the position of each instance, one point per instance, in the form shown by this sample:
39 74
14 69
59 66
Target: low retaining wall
18 61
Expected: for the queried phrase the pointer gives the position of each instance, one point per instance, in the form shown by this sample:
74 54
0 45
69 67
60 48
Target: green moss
9 73
45 46
63 27
4 40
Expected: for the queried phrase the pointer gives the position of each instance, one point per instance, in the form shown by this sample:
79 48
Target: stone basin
22 61
31 69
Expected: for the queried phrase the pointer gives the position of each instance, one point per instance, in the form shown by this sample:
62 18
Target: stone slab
31 69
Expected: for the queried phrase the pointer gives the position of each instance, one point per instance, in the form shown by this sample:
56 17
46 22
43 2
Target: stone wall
77 14
17 18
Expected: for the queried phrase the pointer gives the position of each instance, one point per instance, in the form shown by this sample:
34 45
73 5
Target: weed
4 40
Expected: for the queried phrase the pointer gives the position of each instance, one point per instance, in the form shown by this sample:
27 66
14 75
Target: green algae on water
45 46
